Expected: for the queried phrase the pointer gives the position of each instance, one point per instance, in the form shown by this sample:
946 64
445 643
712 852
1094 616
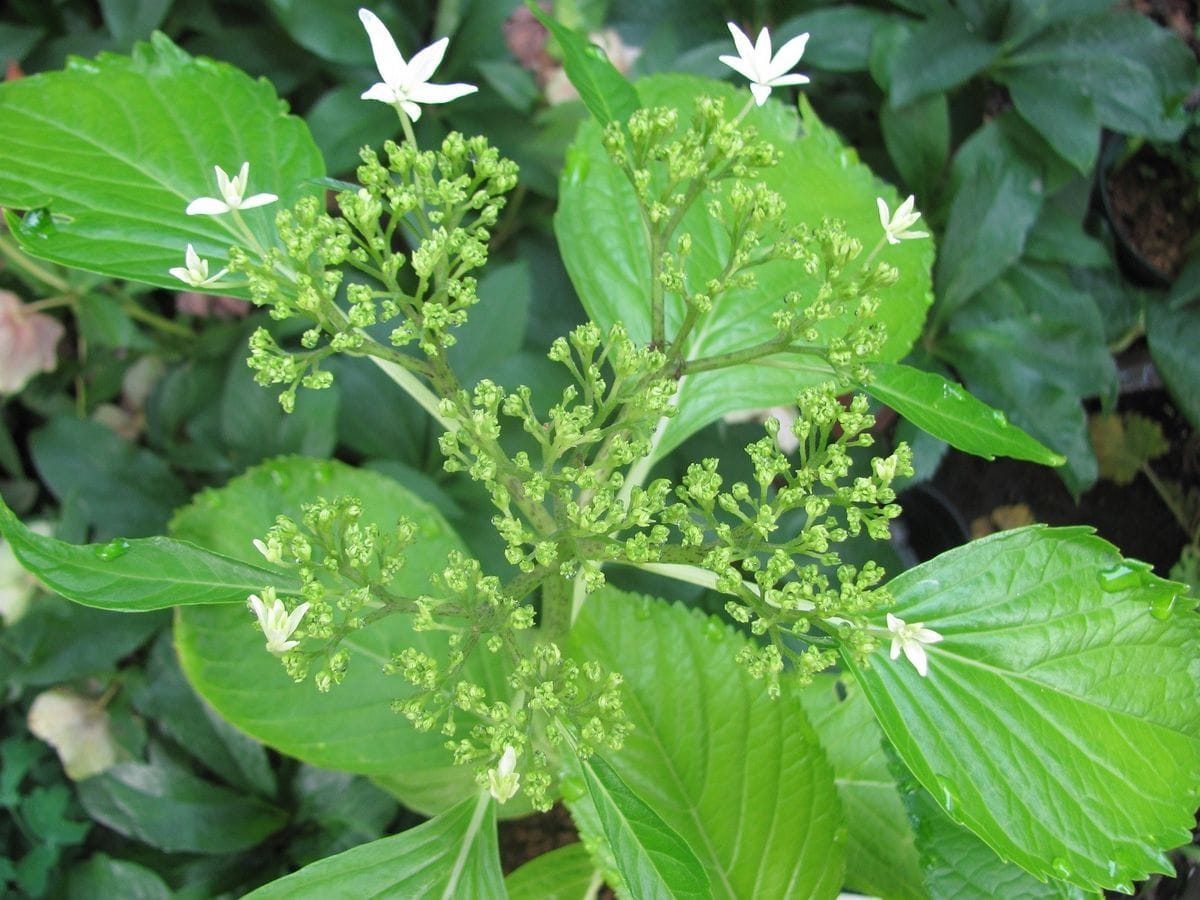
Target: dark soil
523 839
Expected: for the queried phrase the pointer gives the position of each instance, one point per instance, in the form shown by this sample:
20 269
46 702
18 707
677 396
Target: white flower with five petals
765 70
911 639
406 84
195 273
275 621
897 227
233 195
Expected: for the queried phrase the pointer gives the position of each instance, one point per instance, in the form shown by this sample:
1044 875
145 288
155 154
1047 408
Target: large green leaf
945 410
1060 719
959 866
738 776
880 856
654 861
107 154
350 727
1173 335
818 176
961 52
452 855
135 575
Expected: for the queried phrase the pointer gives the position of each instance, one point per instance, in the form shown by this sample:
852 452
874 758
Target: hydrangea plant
1029 701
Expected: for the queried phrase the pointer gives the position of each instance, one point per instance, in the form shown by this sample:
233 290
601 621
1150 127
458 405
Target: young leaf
654 861
566 873
1060 718
135 575
738 776
108 153
606 93
221 651
452 855
609 261
947 411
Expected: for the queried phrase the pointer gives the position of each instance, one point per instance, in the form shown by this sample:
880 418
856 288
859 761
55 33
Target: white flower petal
885 217
410 109
744 48
740 66
761 92
916 655
789 54
380 91
388 60
425 63
182 274
795 78
206 206
440 93
258 200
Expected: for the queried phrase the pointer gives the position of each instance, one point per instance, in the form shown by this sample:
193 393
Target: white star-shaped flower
406 84
275 621
233 195
195 273
765 71
896 227
910 639
503 780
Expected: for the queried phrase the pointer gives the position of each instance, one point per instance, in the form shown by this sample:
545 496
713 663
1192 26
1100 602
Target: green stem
413 386
737 357
136 311
557 602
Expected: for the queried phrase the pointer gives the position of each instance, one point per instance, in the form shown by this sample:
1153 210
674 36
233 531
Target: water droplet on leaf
714 631
1061 867
1124 576
1162 604
115 548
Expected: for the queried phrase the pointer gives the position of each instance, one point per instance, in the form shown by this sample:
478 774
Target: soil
1155 207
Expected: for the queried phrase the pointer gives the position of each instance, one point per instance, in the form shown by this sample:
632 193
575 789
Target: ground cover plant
482 645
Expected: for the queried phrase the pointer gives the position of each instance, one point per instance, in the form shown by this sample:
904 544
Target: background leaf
116 148
350 727
606 93
452 855
704 733
1060 720
608 260
565 873
880 855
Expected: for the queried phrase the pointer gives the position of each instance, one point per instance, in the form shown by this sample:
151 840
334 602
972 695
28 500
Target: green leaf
342 124
104 876
348 728
1066 118
957 864
452 855
1058 237
738 776
134 575
1060 719
1125 443
653 860
917 138
566 873
496 329
330 29
845 32
606 93
1174 335
1135 72
168 699
940 54
880 855
166 807
609 266
130 20
111 151
945 410
997 199
123 489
